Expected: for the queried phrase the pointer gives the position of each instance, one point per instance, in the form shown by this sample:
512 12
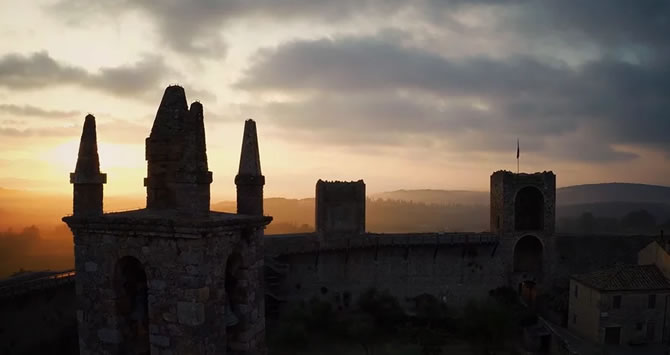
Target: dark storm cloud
619 102
34 111
605 22
377 90
111 130
39 70
371 64
194 27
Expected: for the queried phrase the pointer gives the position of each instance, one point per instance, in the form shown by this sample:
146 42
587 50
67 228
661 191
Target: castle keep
174 277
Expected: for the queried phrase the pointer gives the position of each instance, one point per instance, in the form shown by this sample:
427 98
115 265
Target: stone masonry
173 278
340 209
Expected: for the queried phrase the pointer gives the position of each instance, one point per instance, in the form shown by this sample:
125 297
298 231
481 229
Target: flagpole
517 156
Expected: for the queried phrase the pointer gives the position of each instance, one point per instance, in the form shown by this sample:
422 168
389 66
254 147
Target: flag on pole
517 148
517 155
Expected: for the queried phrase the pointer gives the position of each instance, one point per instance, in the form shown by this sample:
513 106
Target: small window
616 302
576 291
574 318
652 302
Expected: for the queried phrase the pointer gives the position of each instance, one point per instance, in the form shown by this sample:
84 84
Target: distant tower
249 179
177 173
523 202
87 179
175 277
340 209
523 213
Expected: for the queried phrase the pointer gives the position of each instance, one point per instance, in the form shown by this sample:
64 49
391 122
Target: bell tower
174 277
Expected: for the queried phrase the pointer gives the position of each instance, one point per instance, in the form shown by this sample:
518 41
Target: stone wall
186 290
453 266
39 322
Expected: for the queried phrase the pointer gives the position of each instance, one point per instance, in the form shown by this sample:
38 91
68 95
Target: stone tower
175 277
87 179
177 173
523 202
523 214
340 209
249 179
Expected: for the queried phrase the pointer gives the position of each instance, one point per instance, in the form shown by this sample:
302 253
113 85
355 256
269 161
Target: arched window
130 286
528 255
529 209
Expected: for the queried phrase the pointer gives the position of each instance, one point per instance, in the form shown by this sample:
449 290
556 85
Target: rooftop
152 216
625 278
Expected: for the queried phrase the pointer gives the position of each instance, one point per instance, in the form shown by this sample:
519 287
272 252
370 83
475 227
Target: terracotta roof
625 278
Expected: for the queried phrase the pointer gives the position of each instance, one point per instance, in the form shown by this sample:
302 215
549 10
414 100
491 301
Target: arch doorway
528 255
130 286
529 209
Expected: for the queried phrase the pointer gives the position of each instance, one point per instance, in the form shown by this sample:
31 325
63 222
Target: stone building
523 214
340 209
174 277
626 304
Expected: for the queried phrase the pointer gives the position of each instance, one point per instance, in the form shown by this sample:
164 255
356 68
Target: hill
570 195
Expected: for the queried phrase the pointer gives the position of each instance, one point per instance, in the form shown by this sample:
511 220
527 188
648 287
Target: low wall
40 321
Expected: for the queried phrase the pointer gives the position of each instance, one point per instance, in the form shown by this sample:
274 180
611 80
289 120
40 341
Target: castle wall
39 322
455 272
455 268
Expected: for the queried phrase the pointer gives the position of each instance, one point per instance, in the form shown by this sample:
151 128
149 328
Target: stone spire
164 149
87 179
171 113
249 179
193 179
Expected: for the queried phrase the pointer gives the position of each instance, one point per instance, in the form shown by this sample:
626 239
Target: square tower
523 202
174 277
340 208
150 282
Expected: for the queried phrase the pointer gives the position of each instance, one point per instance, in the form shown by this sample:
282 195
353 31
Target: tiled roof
625 277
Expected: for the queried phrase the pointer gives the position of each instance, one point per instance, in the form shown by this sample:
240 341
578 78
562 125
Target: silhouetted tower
177 172
340 209
523 203
249 179
175 277
87 179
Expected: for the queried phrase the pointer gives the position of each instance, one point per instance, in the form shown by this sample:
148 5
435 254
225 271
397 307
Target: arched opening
130 286
528 255
529 209
235 296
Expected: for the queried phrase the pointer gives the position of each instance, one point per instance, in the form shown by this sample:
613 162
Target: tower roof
171 113
250 162
88 162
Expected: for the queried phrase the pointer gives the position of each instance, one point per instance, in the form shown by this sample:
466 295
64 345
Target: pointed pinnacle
88 162
198 121
250 162
171 113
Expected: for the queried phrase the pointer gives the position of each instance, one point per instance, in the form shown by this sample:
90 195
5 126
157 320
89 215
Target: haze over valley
32 236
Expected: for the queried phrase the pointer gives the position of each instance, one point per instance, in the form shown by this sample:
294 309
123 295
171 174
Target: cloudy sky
403 94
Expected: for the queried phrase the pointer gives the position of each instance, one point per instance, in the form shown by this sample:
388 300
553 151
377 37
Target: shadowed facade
173 277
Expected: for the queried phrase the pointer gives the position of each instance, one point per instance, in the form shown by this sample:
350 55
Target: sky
403 94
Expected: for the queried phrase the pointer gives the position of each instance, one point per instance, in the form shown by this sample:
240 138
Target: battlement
285 244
